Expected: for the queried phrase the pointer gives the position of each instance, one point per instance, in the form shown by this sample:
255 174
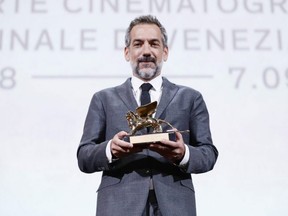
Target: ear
127 54
165 53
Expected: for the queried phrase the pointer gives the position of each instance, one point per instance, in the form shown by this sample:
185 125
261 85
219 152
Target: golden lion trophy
141 119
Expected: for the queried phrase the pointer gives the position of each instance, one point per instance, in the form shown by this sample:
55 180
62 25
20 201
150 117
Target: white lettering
258 7
35 4
86 38
189 39
233 8
131 3
259 45
68 7
17 6
44 40
119 34
149 6
62 42
172 39
211 37
237 39
1 2
205 7
279 4
22 41
188 6
279 39
160 8
1 39
114 6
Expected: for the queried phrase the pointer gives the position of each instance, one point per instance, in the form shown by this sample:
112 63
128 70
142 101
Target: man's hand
173 151
120 148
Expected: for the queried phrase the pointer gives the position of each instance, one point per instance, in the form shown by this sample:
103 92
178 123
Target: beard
146 68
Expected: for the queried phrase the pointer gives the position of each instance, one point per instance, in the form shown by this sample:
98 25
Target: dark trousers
152 208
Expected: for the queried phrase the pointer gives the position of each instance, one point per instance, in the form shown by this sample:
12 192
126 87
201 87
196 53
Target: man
155 179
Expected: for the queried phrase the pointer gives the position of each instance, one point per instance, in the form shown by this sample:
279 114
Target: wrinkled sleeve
203 154
91 151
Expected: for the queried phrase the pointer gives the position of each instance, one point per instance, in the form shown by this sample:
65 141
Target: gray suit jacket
125 182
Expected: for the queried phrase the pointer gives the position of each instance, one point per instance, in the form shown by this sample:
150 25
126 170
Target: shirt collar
156 83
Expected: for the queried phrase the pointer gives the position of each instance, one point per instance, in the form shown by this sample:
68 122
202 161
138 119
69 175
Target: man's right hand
119 148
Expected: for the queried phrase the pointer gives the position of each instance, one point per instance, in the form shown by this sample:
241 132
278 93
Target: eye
155 44
137 44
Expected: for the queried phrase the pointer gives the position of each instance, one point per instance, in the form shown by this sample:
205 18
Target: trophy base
150 138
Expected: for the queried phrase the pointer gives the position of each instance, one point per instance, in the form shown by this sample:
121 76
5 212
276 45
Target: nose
146 49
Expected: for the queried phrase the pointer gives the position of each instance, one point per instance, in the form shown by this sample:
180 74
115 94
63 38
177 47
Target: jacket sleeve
203 154
91 151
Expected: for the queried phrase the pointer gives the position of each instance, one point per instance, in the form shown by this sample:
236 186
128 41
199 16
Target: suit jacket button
147 171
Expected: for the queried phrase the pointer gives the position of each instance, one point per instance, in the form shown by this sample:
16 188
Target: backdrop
55 54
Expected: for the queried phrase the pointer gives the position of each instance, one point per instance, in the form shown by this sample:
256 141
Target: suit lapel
168 92
126 94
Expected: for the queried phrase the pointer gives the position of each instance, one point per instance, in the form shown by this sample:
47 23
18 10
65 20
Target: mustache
146 59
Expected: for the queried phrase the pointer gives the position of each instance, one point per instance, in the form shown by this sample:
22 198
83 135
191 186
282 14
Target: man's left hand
173 151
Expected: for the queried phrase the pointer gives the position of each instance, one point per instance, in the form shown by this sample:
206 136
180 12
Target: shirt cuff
108 152
185 159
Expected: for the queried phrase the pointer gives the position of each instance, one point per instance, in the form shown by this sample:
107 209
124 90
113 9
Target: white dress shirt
155 92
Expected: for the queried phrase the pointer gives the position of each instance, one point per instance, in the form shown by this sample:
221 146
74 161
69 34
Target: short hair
147 19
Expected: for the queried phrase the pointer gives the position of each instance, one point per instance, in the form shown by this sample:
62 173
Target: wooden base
150 138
